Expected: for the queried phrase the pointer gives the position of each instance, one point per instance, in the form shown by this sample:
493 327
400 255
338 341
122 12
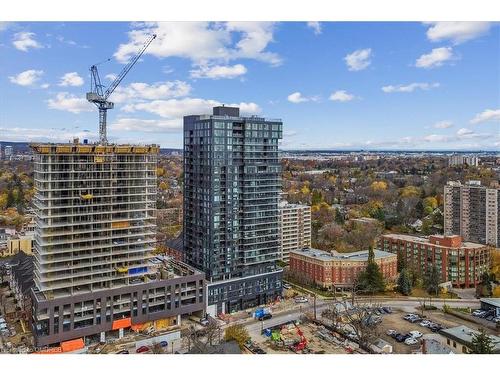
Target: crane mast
99 97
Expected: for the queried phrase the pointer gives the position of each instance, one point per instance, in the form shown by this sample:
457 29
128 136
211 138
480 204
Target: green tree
339 218
10 197
401 262
481 343
404 282
371 280
431 281
316 197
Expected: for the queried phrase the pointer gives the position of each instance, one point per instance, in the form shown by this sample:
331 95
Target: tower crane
99 97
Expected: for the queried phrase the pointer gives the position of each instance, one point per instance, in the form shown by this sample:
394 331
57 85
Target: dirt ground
315 344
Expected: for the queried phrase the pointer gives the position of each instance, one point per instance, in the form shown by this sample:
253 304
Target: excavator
302 344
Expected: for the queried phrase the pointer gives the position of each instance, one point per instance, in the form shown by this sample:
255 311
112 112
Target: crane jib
100 98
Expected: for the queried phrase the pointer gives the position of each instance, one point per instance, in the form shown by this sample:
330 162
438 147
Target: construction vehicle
99 97
261 312
302 344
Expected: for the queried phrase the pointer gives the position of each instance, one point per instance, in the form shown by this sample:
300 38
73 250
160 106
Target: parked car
391 332
411 341
416 334
400 337
490 318
265 317
434 327
488 314
415 319
286 286
477 312
410 316
301 299
387 309
163 344
496 320
381 310
142 349
123 352
425 323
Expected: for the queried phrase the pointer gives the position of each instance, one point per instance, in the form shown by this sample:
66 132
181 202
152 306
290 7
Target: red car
142 349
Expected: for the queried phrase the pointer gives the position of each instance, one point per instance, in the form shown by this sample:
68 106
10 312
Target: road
407 304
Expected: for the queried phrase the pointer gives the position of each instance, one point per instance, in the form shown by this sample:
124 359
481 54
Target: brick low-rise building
460 262
338 270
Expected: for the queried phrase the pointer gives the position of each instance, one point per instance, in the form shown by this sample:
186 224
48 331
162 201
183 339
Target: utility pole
314 295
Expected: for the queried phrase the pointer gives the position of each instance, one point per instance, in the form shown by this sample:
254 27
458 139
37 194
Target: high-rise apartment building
459 159
295 228
95 233
473 212
232 185
8 152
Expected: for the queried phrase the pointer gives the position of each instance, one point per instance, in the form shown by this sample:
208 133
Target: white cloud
443 124
143 91
27 78
315 26
110 77
71 79
18 134
297 97
177 108
464 132
68 102
341 96
203 42
457 32
219 71
359 59
437 57
486 115
410 87
149 126
23 41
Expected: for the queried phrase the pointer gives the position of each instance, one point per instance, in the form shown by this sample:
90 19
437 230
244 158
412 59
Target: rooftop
464 335
491 301
359 256
426 240
285 204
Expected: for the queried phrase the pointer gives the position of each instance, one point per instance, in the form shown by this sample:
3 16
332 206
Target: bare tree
358 318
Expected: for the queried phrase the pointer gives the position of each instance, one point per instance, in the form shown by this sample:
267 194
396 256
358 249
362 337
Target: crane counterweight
99 97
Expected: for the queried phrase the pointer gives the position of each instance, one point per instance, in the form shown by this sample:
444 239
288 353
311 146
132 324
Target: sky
335 85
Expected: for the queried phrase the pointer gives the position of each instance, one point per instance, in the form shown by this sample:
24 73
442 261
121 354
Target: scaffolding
95 212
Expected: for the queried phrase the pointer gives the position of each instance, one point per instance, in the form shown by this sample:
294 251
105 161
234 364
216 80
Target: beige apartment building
472 211
295 228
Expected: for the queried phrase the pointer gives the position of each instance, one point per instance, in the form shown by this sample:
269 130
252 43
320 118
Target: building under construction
93 251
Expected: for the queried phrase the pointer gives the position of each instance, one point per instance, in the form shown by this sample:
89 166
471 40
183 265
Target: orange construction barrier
122 323
71 345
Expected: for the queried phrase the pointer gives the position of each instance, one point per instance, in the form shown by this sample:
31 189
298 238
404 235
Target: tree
404 283
10 197
371 280
481 343
431 281
339 217
237 333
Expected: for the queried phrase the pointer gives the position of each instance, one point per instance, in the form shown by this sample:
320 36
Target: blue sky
335 85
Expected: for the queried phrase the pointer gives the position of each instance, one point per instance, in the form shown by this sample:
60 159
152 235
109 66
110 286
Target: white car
411 341
301 299
416 334
425 323
477 312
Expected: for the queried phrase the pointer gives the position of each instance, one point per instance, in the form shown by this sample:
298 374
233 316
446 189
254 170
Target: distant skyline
335 85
